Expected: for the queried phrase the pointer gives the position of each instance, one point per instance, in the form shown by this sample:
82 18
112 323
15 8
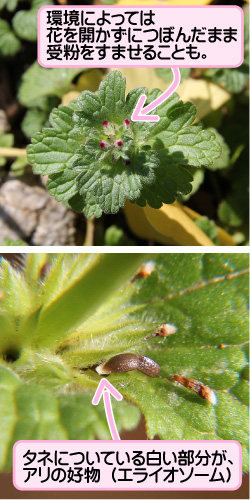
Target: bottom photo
124 375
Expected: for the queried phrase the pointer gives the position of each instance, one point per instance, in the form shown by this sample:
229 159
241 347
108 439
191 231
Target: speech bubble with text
127 465
160 36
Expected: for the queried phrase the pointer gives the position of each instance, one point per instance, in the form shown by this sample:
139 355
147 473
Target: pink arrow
140 113
105 388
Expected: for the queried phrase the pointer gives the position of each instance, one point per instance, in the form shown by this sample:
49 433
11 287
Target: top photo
124 123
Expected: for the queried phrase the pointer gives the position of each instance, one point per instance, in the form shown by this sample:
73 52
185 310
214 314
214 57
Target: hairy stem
104 275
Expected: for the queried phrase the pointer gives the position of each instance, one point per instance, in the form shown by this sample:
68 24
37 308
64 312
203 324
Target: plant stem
90 231
97 281
12 152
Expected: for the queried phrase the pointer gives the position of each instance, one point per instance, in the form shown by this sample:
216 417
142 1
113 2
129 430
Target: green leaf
234 210
97 158
80 318
198 178
109 2
224 160
15 285
19 166
230 213
37 117
62 185
115 236
38 81
167 74
170 180
10 5
210 310
208 227
25 25
6 141
7 242
246 38
31 412
25 21
112 94
54 151
234 79
9 43
34 120
190 145
105 190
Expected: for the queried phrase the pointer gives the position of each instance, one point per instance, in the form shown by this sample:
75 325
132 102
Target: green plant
209 228
41 89
18 167
63 314
6 141
8 242
9 43
24 24
115 236
96 157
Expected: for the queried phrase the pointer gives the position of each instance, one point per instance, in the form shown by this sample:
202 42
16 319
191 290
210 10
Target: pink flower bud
119 143
102 144
105 124
127 122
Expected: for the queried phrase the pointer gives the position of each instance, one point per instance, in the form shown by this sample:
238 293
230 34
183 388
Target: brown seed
144 271
128 362
165 330
202 390
148 366
118 364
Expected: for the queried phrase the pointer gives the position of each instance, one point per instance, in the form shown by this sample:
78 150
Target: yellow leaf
170 225
142 77
70 96
224 238
90 80
205 95
86 81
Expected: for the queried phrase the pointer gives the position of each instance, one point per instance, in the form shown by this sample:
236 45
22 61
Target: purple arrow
140 113
104 389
